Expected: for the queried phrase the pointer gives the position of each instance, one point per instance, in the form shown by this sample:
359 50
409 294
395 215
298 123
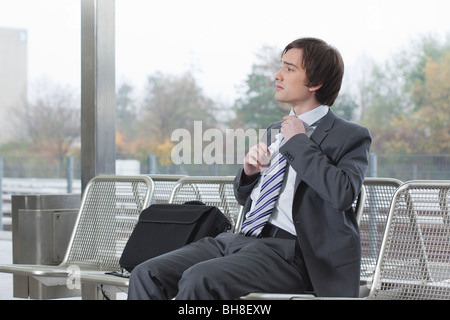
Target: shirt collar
313 115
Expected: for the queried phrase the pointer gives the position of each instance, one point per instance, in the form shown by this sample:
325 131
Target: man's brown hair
324 66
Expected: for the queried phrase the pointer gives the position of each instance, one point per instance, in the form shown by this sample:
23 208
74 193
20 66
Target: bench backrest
163 186
214 191
414 260
372 220
109 210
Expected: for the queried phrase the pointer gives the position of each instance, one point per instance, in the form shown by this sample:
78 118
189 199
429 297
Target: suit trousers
225 267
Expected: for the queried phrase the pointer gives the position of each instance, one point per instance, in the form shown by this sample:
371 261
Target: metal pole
151 164
69 174
373 166
98 100
1 193
373 172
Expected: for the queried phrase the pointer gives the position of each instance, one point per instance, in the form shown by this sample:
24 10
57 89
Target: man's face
291 79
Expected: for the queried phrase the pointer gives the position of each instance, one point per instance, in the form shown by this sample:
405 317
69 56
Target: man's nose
278 76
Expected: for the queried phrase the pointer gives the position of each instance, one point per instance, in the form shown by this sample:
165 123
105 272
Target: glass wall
194 79
208 65
39 86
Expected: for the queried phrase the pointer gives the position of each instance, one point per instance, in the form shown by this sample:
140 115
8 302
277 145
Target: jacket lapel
321 132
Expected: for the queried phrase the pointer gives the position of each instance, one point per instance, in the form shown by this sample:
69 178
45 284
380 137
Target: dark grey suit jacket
330 167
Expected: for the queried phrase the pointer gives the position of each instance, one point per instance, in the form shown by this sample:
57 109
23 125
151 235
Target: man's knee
146 281
138 274
200 282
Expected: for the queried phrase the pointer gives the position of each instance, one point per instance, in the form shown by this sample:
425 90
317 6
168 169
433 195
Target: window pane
39 86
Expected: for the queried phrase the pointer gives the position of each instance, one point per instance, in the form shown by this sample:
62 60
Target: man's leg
158 278
249 265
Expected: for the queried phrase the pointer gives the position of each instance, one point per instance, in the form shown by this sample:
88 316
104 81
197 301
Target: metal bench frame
414 260
420 207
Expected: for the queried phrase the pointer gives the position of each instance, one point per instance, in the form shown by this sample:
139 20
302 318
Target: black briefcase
165 227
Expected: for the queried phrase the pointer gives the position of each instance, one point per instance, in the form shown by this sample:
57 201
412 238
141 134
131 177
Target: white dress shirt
282 213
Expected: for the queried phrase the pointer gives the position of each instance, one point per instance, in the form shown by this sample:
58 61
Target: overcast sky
218 39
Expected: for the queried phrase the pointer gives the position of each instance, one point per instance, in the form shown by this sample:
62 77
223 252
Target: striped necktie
271 182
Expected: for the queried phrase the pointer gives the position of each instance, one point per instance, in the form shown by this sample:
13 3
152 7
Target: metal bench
109 209
211 190
414 261
101 285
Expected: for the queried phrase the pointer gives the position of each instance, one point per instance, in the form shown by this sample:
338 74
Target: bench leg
91 291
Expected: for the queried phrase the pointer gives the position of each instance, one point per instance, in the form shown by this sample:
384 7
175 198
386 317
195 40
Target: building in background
13 77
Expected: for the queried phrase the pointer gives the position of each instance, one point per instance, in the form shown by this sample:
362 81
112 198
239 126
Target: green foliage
170 102
345 106
126 110
174 102
405 103
257 108
408 100
427 128
15 148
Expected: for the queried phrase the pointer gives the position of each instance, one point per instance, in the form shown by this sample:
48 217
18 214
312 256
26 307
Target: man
300 231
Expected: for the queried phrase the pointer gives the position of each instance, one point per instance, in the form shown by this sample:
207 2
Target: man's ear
315 88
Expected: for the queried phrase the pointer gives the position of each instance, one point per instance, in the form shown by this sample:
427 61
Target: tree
171 102
426 129
394 96
417 57
345 106
257 108
126 110
126 117
385 99
423 127
52 118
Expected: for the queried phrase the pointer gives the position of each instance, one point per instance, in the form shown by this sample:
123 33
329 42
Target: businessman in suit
300 231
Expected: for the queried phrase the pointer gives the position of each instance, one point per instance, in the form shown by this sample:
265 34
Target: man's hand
257 158
291 127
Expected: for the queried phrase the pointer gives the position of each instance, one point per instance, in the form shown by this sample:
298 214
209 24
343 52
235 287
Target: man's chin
279 97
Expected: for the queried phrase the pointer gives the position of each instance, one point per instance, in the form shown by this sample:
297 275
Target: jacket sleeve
242 190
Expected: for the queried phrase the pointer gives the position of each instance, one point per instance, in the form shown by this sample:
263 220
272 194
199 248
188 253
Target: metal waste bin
41 229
